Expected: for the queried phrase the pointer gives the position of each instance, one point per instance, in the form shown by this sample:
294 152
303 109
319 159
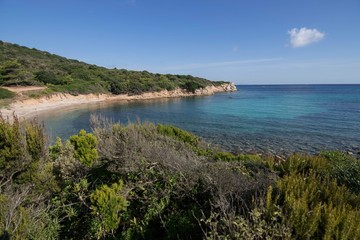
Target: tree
48 77
11 73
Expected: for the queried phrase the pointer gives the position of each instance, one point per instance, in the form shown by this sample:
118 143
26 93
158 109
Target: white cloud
304 36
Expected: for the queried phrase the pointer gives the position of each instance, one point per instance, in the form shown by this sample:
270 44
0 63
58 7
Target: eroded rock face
226 87
229 87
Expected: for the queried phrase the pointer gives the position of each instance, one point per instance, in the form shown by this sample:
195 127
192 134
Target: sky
243 41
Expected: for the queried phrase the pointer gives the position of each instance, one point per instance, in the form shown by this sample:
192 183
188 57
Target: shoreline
28 108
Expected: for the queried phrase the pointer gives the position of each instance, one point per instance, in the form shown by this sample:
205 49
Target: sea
272 119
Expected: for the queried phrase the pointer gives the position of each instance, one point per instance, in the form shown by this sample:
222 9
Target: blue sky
247 42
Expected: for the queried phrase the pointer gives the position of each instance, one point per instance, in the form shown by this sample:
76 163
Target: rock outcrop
226 87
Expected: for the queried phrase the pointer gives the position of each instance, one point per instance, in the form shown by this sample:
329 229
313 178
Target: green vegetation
146 181
4 93
85 147
107 203
24 66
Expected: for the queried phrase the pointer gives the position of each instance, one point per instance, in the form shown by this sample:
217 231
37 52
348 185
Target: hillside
31 67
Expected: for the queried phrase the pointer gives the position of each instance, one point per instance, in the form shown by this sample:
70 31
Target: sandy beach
27 108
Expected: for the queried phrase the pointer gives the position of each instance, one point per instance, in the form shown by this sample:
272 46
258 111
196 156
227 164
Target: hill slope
24 66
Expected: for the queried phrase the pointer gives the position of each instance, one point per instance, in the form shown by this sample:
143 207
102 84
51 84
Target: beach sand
31 107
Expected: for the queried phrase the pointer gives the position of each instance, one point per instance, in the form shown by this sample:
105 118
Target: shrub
48 77
334 164
256 225
344 168
107 204
26 182
192 86
119 87
79 87
36 140
298 163
179 134
23 150
4 93
182 224
317 208
66 166
21 218
12 148
85 147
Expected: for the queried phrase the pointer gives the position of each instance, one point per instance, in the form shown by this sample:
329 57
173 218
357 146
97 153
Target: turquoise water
271 118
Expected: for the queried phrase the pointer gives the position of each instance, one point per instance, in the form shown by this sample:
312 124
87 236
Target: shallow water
271 118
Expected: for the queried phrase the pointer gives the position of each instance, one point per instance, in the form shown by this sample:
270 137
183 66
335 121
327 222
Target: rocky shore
31 107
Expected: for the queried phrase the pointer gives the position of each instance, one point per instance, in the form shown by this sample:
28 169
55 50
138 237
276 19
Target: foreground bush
318 208
26 183
146 181
344 168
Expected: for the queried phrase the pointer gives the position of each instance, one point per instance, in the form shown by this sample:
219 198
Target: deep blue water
270 118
